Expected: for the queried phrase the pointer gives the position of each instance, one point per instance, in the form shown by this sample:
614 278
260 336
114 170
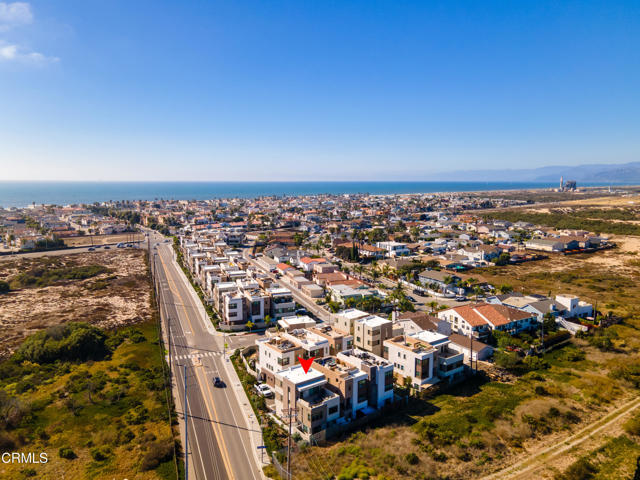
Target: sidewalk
252 422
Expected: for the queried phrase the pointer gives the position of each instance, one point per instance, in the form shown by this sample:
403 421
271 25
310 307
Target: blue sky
309 90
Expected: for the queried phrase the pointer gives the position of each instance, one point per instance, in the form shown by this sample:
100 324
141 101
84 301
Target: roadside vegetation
93 400
273 435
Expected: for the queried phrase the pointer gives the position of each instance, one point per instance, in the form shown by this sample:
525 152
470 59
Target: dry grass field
96 403
106 288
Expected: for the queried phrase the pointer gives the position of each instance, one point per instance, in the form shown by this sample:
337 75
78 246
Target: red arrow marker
306 364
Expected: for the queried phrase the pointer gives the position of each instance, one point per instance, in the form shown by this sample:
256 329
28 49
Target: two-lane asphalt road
219 434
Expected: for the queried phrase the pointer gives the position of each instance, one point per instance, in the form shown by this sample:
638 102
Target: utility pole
471 351
169 341
292 414
186 428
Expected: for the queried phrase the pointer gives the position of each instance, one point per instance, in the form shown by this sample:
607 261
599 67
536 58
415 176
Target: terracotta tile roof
480 314
307 260
468 313
501 314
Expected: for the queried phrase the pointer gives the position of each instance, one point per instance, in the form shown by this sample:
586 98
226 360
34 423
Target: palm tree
433 305
477 291
250 325
375 274
267 320
385 270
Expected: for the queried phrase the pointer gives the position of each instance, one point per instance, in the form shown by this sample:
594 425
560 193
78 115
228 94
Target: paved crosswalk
198 355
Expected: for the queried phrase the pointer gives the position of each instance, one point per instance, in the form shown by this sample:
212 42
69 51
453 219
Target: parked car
264 390
461 298
218 383
107 247
91 249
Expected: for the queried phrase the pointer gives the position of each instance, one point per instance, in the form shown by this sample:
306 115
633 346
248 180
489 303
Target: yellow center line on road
216 424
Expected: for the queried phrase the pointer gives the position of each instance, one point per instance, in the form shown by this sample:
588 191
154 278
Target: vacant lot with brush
83 375
95 401
107 289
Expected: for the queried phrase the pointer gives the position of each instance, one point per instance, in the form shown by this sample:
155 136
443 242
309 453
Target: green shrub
125 435
158 452
601 342
137 337
582 469
412 458
632 426
535 363
4 286
573 354
100 454
540 390
66 452
72 341
507 360
136 415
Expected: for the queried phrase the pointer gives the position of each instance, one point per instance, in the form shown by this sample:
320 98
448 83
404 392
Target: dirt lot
118 296
88 240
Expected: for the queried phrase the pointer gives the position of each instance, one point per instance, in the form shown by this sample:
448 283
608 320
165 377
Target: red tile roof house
481 318
307 263
283 267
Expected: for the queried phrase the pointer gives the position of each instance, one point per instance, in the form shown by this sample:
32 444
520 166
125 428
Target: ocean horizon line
19 194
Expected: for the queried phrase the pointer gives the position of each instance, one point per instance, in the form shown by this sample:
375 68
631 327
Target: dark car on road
218 383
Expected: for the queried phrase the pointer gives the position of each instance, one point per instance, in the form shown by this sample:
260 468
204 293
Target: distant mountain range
614 173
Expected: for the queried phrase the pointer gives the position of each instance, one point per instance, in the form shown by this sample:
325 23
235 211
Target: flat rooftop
279 291
434 338
373 321
353 313
297 376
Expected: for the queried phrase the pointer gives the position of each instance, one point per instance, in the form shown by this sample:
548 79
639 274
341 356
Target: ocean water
21 194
